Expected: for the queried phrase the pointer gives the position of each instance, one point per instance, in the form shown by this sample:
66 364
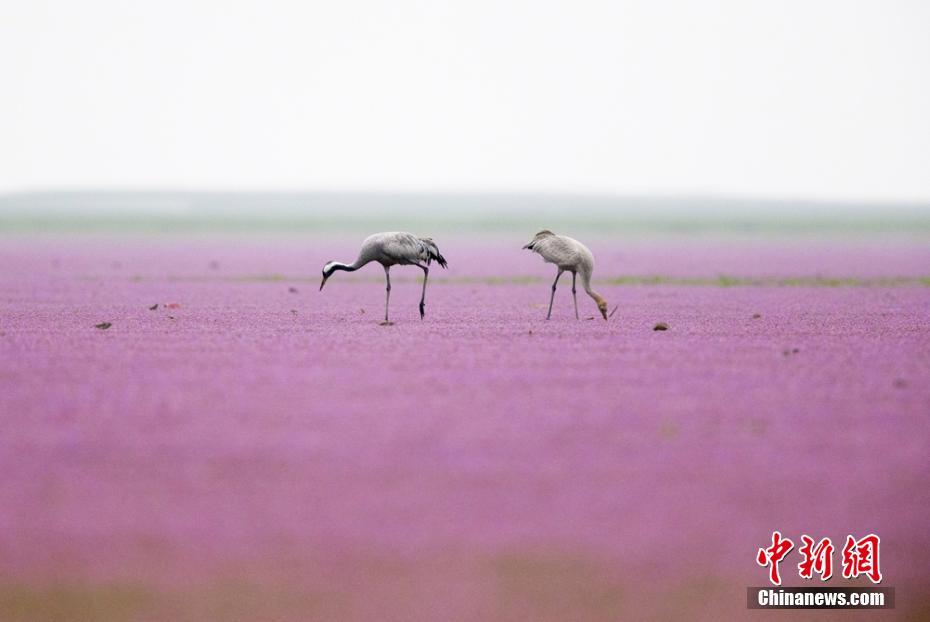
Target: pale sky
807 99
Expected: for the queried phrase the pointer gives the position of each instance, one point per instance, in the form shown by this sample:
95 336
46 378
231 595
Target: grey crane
389 249
569 255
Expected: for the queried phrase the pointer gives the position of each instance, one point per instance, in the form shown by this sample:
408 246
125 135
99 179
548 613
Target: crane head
602 307
542 234
327 271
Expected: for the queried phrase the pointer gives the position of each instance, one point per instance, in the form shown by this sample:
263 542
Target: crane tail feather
439 259
433 253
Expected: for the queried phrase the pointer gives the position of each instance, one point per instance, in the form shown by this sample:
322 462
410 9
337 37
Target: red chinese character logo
861 557
817 559
773 555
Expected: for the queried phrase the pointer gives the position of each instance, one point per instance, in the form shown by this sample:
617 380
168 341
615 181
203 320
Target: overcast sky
814 99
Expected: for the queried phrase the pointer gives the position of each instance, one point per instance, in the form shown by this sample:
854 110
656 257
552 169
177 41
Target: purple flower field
254 449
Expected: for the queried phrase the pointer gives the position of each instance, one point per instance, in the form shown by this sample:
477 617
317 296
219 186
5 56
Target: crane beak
604 313
323 282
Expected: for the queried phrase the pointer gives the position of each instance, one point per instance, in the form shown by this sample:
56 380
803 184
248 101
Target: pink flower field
255 449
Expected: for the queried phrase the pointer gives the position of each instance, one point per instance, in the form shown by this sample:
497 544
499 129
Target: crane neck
586 284
347 267
334 266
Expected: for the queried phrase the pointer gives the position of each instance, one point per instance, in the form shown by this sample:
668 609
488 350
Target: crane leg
574 295
552 297
387 297
423 295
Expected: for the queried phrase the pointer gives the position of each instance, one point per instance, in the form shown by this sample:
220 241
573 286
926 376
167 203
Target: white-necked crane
390 249
569 255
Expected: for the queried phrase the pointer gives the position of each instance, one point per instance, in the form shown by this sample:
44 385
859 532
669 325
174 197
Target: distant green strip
717 281
518 225
733 281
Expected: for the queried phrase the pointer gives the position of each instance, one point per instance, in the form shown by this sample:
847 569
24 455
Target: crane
392 248
569 255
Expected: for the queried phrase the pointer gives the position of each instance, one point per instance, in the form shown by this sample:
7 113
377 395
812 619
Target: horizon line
718 197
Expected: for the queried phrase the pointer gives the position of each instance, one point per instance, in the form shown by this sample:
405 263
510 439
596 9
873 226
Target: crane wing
402 248
405 248
555 249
